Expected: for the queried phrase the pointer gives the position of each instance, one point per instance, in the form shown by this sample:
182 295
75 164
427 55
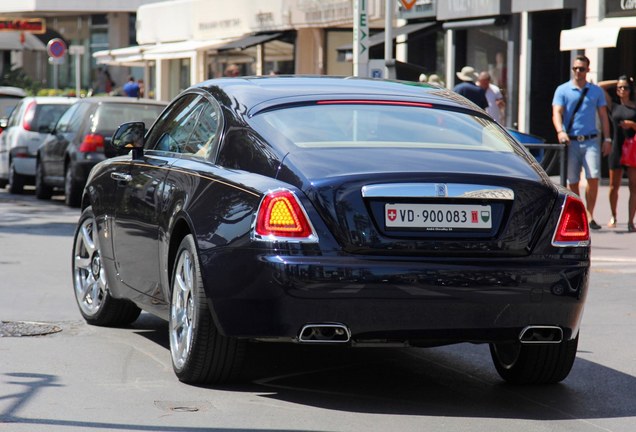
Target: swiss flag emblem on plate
391 214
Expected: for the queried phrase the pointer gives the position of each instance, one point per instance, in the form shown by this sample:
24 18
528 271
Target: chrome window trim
437 190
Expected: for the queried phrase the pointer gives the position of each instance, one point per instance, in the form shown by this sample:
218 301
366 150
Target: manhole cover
183 406
25 328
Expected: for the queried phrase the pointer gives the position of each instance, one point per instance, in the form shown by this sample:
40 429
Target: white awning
601 34
128 56
12 41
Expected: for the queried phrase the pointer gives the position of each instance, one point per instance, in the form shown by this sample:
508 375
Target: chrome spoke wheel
182 310
89 279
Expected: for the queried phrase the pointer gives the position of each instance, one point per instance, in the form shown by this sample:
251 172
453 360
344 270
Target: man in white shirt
494 97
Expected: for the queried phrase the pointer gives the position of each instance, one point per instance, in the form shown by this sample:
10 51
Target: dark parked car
332 211
81 139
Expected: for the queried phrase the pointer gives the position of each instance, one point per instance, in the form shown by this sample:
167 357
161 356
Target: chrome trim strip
433 190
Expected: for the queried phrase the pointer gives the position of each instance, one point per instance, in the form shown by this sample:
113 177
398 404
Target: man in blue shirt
131 88
577 129
469 89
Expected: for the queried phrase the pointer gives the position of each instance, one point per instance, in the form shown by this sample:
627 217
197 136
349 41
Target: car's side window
13 118
205 136
178 123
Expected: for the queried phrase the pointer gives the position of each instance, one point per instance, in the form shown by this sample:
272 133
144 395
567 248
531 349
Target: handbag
628 152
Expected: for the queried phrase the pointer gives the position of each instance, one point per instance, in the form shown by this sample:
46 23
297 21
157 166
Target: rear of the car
404 222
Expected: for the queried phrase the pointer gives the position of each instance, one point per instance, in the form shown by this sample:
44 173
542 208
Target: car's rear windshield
109 117
386 124
47 115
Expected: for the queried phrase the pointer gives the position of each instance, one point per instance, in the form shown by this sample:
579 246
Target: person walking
494 97
624 121
131 88
574 109
469 89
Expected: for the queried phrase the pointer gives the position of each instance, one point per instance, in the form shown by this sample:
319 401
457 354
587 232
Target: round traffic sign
56 48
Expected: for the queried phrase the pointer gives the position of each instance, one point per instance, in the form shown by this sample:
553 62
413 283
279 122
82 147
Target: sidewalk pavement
611 244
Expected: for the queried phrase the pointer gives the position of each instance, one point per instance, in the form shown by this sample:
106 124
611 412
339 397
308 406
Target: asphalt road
77 377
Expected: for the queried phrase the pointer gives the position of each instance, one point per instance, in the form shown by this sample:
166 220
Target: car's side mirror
129 136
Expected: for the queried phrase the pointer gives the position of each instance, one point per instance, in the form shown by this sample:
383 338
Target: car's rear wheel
95 302
16 181
42 190
534 363
200 353
72 190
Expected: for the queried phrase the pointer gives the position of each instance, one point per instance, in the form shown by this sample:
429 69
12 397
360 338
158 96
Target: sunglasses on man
579 69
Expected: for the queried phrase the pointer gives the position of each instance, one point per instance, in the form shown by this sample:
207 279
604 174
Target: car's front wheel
200 353
42 190
95 302
16 180
534 363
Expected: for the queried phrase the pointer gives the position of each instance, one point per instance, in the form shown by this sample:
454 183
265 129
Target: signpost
77 51
57 50
360 38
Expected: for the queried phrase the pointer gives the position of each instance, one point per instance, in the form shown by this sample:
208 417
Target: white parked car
31 120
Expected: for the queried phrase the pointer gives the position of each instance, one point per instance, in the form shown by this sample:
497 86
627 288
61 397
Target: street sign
408 4
76 50
56 48
360 38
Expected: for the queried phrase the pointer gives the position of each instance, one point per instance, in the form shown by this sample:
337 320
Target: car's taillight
572 229
29 116
281 215
92 143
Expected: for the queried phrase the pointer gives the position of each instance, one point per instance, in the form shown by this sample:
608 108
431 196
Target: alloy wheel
182 310
89 277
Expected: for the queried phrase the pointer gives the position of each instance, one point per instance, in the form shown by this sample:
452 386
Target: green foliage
18 78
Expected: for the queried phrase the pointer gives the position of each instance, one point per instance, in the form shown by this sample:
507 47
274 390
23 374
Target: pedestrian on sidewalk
574 109
624 121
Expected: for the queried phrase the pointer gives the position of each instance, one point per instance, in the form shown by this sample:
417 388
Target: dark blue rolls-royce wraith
328 210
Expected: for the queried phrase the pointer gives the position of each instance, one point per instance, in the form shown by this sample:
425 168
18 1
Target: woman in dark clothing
624 122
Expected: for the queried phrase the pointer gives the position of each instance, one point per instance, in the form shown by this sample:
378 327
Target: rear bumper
83 164
421 301
24 164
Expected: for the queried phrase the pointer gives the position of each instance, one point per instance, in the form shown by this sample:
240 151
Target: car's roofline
253 91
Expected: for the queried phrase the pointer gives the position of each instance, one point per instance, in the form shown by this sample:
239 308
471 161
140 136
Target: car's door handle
121 177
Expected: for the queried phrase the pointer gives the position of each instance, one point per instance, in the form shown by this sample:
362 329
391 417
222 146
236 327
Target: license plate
438 217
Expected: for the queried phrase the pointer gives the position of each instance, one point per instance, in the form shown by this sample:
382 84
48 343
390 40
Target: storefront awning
128 56
18 41
247 42
602 34
138 55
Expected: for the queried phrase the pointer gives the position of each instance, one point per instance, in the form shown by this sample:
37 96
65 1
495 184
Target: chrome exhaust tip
324 333
541 335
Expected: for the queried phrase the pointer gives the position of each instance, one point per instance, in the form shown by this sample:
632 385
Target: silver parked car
30 122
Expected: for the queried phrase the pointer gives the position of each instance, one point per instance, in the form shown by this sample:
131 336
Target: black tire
3 183
72 190
90 285
42 190
16 181
534 363
199 353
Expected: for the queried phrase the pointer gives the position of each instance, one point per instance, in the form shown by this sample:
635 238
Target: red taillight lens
573 227
281 215
29 116
92 143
